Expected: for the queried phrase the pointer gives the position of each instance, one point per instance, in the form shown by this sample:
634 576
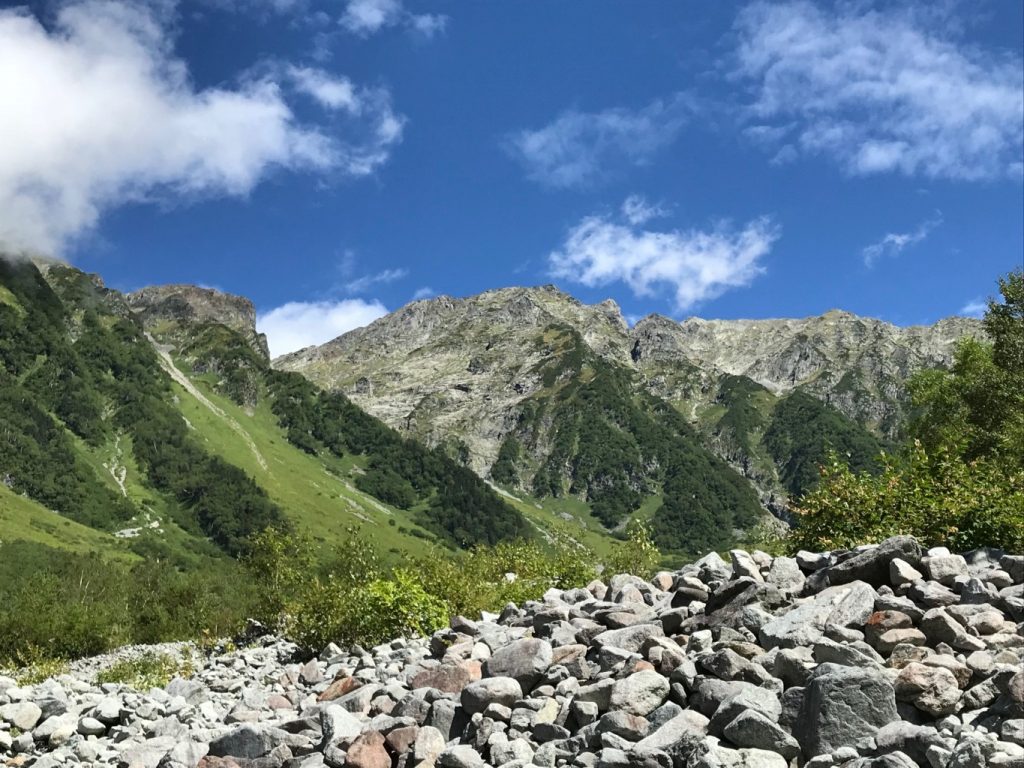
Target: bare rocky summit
857 364
164 306
886 656
445 367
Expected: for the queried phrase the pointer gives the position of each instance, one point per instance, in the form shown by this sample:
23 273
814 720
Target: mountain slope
856 364
140 415
477 376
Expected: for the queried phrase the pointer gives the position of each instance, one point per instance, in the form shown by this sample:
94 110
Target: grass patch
40 668
150 670
22 519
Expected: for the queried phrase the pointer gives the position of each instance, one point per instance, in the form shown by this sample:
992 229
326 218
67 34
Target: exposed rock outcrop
161 307
449 369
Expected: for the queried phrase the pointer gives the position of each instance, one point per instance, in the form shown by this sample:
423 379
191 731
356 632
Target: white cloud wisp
695 265
98 112
880 91
361 284
367 17
581 149
894 243
299 324
638 210
975 308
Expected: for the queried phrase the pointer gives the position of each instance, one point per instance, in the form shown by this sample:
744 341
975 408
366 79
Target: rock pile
883 657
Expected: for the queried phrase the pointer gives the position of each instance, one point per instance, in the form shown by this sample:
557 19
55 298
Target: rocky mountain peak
161 306
460 368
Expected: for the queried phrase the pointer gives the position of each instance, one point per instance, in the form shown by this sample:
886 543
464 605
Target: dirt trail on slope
117 470
186 383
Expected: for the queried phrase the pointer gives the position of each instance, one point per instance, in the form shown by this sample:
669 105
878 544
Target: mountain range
485 376
153 424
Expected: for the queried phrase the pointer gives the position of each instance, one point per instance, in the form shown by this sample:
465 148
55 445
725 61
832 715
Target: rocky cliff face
445 368
857 364
162 307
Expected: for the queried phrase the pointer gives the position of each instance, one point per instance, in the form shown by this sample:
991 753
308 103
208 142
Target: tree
977 408
961 482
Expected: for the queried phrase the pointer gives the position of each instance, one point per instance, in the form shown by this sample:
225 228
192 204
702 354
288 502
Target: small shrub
486 578
369 614
150 670
35 666
638 555
399 606
768 536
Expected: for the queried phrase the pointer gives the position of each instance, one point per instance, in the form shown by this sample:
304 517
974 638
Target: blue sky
333 160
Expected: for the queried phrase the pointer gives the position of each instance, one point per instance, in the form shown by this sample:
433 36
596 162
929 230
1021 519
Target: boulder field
882 657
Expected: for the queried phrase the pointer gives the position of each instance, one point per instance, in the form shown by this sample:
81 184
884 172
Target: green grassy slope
318 491
188 459
22 519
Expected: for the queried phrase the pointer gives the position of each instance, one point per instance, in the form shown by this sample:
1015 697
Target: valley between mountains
154 424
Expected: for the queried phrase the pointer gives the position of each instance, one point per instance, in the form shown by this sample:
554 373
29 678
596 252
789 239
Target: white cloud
98 111
330 91
429 24
695 265
895 242
975 308
366 17
300 324
880 91
425 292
580 149
361 284
637 210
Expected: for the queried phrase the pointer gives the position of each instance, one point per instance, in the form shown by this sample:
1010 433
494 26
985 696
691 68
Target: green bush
369 614
941 499
487 578
353 597
638 555
60 605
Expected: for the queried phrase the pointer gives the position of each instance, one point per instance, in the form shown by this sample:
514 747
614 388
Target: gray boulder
525 660
845 605
248 741
872 565
491 690
753 729
842 705
640 693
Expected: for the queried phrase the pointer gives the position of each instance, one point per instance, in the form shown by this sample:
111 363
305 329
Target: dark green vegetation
791 436
456 504
57 604
617 448
742 419
961 482
60 605
802 432
77 365
77 373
